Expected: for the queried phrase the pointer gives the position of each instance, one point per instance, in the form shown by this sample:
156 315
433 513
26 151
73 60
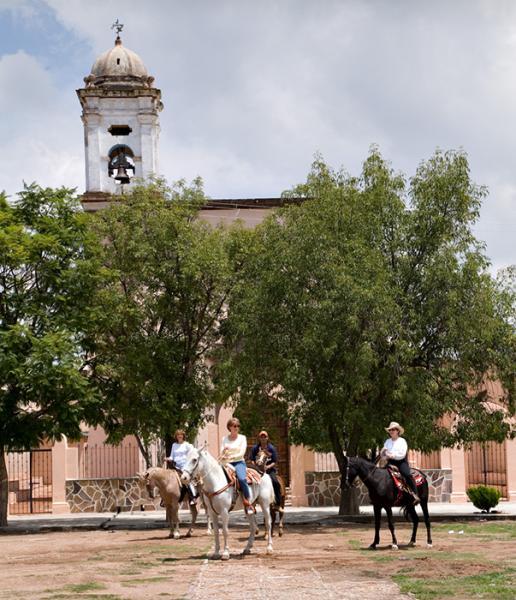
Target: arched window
121 163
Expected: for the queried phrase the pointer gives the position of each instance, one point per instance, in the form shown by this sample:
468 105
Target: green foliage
47 273
163 307
483 497
372 301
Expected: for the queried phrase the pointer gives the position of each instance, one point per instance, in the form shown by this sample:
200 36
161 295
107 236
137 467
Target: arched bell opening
121 164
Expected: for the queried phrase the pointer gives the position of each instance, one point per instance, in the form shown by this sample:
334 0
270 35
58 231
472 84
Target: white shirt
397 448
233 450
179 452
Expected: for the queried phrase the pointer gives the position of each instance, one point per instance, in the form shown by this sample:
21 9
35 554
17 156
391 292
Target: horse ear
203 447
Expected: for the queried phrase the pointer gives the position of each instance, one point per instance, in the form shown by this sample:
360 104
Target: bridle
199 479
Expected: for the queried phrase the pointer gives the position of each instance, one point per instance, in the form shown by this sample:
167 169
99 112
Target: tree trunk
348 500
169 440
145 452
348 496
4 489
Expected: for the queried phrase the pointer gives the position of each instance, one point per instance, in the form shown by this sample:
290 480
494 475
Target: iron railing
30 481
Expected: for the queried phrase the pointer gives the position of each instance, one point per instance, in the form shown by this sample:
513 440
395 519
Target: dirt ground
330 561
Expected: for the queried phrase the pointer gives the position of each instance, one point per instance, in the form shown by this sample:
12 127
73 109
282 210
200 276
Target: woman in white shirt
232 451
177 459
395 450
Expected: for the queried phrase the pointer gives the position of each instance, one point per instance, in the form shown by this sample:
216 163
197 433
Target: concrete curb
294 517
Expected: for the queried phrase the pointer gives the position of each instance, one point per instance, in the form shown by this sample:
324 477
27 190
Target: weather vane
118 26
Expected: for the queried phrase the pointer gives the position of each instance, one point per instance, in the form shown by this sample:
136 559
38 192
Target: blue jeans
241 472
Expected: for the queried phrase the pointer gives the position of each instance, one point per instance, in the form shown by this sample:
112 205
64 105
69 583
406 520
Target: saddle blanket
253 476
417 476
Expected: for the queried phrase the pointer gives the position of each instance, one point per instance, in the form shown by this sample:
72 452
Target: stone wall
323 489
108 495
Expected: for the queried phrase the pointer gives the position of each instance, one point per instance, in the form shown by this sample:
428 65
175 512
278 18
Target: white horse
218 498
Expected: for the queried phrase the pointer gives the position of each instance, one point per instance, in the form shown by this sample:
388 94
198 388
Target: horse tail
407 513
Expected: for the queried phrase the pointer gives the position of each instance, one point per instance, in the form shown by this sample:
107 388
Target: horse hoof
394 547
269 550
176 536
429 546
214 556
188 534
280 532
225 556
372 547
411 544
246 551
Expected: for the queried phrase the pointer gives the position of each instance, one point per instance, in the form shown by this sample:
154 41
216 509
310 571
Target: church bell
121 174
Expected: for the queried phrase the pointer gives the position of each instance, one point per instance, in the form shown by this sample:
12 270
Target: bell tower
120 113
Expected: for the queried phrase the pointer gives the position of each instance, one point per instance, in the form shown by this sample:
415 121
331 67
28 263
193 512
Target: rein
209 495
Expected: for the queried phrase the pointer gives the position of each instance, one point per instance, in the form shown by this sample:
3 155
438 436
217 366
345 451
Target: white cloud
38 132
253 89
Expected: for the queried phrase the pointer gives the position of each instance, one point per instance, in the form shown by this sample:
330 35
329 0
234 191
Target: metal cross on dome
117 26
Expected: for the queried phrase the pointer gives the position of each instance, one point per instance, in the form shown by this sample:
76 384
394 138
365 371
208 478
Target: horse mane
211 459
361 461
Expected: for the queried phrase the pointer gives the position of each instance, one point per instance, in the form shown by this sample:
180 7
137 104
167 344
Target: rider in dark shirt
270 463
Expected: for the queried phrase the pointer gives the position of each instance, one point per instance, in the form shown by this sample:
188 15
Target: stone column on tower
120 113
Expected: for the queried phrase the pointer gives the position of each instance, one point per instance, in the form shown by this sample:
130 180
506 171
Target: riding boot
248 507
413 491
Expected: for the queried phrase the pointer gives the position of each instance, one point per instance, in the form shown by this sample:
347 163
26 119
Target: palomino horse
260 461
169 485
385 494
218 498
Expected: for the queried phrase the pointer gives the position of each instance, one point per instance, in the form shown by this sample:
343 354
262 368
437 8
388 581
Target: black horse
384 494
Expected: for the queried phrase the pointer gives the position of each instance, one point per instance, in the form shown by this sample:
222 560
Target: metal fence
425 460
102 461
325 462
30 481
486 464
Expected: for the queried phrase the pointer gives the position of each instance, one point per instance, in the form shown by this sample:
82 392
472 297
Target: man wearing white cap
395 450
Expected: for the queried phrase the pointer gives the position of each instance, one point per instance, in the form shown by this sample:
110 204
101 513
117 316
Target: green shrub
483 497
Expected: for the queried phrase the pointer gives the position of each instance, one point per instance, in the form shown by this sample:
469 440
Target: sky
252 90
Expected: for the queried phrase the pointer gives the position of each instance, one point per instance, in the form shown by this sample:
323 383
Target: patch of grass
497 584
142 580
129 572
89 586
355 544
84 597
501 529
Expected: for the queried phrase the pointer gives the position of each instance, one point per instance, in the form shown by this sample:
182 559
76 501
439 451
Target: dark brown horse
385 494
261 459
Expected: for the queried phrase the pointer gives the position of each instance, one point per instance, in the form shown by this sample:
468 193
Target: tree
163 307
372 302
48 270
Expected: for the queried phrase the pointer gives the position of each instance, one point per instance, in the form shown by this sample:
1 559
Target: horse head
351 471
192 464
261 459
146 477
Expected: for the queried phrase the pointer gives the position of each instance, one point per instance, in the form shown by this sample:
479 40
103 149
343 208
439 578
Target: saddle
400 484
253 477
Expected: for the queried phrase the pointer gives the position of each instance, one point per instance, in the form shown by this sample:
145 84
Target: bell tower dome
120 113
